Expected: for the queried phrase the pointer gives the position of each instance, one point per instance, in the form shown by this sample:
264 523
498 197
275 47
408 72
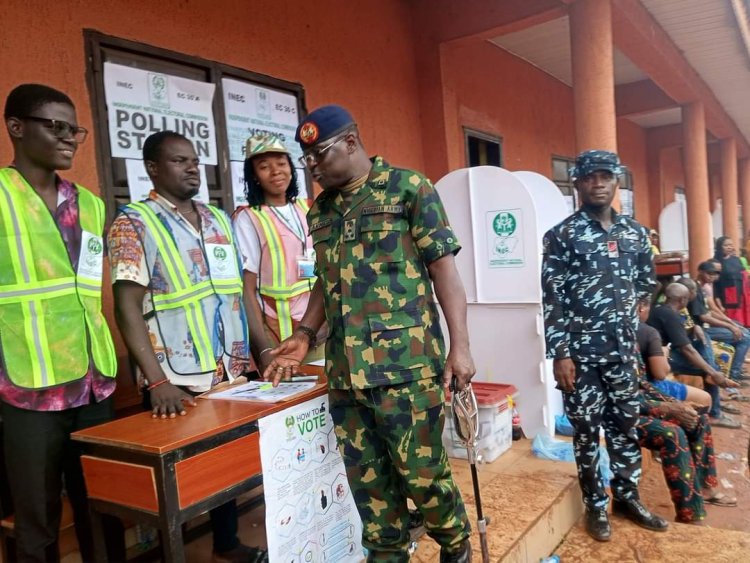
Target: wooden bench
67 542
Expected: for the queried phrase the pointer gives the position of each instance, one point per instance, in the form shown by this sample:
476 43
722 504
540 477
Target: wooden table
165 472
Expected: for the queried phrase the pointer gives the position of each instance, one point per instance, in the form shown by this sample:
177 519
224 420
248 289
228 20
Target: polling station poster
310 512
252 109
141 102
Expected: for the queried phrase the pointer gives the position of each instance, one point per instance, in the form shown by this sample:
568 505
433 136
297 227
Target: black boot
597 524
462 555
633 510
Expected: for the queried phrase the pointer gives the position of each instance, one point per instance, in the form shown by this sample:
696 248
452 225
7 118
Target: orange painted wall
631 146
495 92
358 54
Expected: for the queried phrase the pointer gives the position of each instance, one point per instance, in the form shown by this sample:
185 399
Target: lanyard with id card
306 264
91 257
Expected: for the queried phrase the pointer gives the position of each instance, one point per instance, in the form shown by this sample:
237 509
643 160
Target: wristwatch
312 336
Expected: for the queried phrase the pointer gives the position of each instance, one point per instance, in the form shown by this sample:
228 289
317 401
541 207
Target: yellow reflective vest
51 322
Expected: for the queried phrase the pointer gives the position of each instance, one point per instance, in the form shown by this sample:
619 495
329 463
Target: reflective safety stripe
286 292
46 289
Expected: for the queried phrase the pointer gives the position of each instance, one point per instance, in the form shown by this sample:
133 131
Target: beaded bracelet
312 336
155 385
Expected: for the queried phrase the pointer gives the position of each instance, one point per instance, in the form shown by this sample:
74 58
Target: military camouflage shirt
591 282
372 257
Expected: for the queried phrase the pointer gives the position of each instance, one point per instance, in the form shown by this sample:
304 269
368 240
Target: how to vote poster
141 102
310 512
251 109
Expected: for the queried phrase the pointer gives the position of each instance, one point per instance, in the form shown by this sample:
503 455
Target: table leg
97 531
172 545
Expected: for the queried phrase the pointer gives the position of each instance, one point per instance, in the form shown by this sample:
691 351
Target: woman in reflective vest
51 316
277 252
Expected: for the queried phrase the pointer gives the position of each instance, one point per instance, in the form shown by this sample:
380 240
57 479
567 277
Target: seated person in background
654 364
653 236
682 436
690 356
716 328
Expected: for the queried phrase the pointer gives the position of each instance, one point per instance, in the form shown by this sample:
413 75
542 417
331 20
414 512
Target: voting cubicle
500 218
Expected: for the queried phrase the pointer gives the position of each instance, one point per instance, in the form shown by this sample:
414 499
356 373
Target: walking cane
466 422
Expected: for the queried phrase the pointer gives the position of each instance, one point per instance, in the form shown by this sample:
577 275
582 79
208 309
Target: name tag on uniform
91 257
612 249
221 263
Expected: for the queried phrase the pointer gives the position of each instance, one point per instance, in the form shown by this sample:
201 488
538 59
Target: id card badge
306 266
612 249
221 262
91 257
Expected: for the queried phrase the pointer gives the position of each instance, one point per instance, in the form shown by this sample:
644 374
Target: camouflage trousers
605 396
390 439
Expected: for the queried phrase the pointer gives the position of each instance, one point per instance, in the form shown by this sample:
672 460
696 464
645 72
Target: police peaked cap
592 160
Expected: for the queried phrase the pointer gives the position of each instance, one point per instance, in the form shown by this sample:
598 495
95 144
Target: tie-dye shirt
93 385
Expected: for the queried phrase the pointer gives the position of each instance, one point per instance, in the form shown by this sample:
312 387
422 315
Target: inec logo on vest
95 246
220 258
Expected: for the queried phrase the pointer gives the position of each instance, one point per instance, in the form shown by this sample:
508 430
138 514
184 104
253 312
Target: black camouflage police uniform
385 354
592 280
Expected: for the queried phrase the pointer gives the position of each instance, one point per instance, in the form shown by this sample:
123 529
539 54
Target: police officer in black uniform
597 265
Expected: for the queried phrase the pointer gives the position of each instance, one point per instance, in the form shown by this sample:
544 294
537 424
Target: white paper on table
263 391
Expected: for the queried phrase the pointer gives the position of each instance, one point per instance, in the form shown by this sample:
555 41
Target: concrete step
531 503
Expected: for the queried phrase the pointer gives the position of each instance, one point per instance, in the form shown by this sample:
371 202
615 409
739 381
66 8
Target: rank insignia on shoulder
350 230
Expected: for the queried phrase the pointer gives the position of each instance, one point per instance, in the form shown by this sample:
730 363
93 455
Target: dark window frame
96 44
483 136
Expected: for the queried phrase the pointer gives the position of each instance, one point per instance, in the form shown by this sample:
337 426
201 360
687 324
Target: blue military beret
321 124
593 160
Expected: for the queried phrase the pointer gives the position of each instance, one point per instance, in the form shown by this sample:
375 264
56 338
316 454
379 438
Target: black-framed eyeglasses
314 156
61 129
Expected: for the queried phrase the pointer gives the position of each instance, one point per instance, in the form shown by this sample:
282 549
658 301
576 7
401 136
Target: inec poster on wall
141 102
310 512
251 109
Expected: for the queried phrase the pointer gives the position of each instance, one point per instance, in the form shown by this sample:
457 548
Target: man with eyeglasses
382 239
58 362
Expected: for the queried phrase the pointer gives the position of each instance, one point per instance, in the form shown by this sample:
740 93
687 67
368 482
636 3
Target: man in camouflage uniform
597 265
381 236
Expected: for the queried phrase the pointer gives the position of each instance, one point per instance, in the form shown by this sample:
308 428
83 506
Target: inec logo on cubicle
504 228
504 224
